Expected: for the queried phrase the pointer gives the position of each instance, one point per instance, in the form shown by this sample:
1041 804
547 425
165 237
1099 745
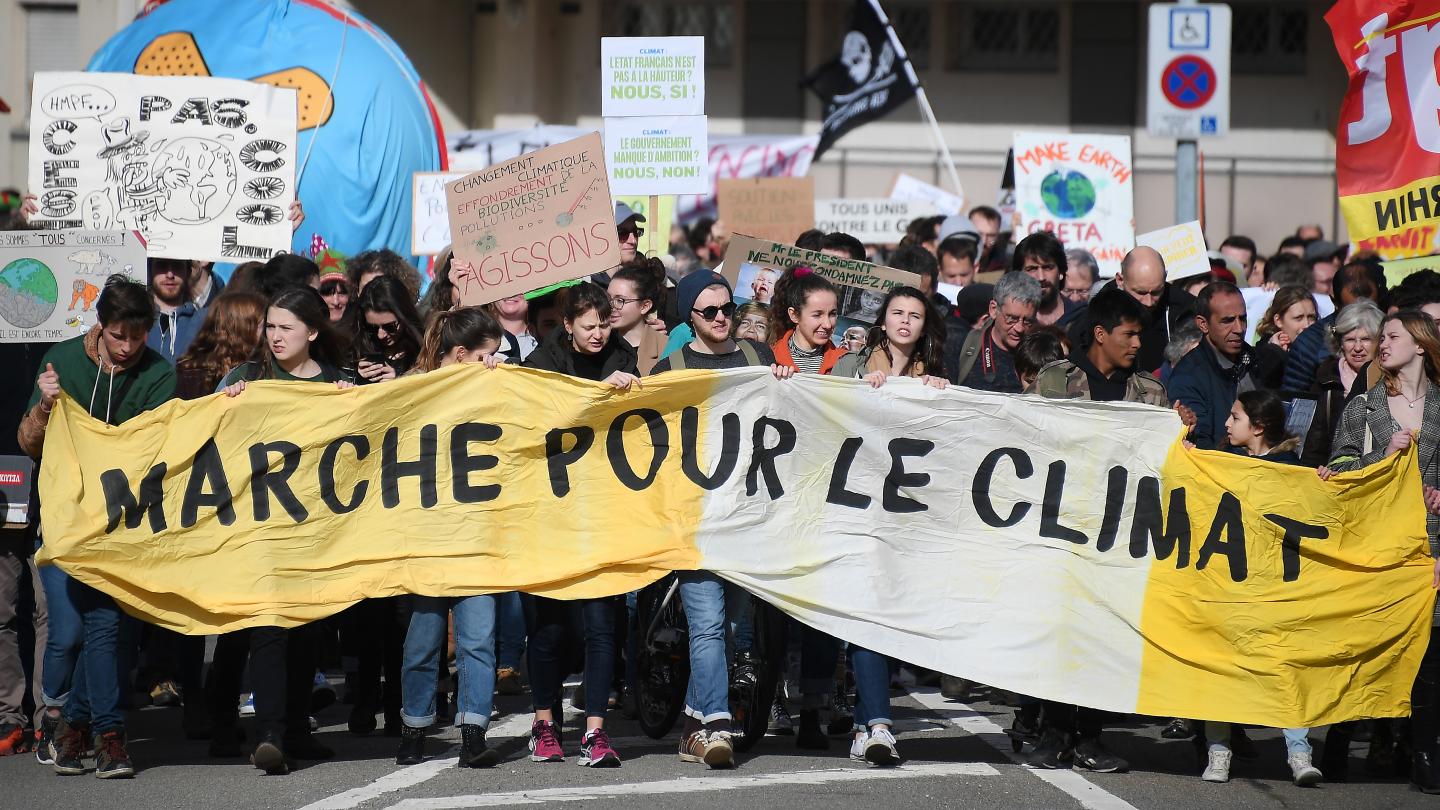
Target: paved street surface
955 756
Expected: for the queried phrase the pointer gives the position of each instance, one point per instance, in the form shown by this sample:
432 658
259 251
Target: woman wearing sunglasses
388 337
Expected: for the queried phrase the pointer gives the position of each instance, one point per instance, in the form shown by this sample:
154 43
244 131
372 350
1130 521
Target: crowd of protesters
1232 351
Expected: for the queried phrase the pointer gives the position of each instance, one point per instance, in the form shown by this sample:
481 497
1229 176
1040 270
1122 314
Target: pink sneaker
545 743
595 750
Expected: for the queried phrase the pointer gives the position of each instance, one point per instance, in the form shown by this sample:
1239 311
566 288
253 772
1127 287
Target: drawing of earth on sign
1068 194
28 293
200 177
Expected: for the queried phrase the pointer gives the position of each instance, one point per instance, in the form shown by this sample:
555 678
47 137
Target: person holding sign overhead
627 226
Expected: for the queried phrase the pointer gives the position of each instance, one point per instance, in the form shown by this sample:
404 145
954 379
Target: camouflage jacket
1063 379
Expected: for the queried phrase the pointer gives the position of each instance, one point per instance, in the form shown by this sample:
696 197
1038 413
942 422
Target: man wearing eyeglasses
178 318
627 224
985 360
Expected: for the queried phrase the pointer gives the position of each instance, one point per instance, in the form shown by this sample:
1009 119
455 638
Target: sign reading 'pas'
203 168
539 219
1079 187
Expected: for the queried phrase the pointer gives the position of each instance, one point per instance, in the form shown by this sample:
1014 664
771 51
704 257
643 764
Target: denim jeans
1297 740
98 703
474 658
509 630
556 629
872 687
62 643
713 608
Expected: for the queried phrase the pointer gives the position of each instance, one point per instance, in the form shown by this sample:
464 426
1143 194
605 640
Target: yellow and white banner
1068 550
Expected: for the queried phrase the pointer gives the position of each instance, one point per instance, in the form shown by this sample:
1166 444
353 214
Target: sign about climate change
647 76
664 155
539 219
50 281
203 168
1079 187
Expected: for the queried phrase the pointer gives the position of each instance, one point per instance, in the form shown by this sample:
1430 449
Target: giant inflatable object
366 121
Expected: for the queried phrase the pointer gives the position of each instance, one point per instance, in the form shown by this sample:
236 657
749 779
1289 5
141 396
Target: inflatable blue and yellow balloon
366 120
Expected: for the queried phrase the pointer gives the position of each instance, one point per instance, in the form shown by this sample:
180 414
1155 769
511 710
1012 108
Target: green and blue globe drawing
1067 193
28 293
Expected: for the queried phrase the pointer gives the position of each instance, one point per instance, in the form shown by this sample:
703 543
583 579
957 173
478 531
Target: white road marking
1090 795
698 784
407 778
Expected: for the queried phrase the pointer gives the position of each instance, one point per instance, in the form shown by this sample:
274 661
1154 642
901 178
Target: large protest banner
1071 550
746 254
533 221
877 221
203 168
779 208
41 270
1388 137
429 218
1081 188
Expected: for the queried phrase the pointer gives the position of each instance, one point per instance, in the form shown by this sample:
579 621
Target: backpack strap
752 357
677 359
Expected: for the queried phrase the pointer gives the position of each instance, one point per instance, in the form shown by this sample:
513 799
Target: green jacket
1063 379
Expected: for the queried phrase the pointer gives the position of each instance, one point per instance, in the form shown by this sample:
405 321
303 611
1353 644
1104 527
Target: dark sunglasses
334 288
626 231
391 328
708 313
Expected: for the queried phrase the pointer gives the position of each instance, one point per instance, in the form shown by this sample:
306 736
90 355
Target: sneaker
1092 756
595 750
857 746
953 688
719 751
692 747
269 757
322 694
507 681
1217 767
780 724
12 739
810 736
1305 773
68 749
1052 751
474 753
842 720
247 705
880 748
1177 729
165 694
545 742
111 759
45 738
412 746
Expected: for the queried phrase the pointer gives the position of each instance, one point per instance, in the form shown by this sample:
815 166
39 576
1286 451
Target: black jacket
556 354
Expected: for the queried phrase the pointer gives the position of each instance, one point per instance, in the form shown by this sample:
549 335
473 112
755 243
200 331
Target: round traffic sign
1188 82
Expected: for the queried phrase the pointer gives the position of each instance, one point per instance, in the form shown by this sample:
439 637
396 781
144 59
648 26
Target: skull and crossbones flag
869 78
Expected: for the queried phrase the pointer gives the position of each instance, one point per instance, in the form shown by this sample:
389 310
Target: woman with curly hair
231 333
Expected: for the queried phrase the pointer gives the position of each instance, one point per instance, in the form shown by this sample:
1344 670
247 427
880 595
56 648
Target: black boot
811 736
1335 756
474 753
412 746
269 756
1425 732
1053 751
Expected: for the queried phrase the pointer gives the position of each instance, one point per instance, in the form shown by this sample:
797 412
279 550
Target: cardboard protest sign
1079 187
875 221
778 208
429 219
644 76
907 187
203 168
658 222
750 263
533 221
1183 248
40 271
657 155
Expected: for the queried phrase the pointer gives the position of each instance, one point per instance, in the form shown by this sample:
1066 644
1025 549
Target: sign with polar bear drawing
204 168
50 281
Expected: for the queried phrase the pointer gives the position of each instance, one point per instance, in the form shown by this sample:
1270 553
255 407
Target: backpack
752 357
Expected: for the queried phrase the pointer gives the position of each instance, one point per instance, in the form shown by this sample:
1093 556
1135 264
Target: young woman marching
387 333
467 335
634 301
299 345
588 348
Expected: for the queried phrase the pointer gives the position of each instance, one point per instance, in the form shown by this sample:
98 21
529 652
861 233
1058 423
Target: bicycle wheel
662 658
752 712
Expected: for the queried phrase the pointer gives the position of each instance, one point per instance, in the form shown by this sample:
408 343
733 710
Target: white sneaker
247 705
1305 772
1217 769
857 747
880 748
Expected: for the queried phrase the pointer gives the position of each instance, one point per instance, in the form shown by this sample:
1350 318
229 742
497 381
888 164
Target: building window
52 38
1005 36
912 26
714 21
1269 39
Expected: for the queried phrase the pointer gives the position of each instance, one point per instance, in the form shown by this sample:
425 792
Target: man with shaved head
1142 274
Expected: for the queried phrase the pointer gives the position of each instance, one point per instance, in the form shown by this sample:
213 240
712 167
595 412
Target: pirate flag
869 78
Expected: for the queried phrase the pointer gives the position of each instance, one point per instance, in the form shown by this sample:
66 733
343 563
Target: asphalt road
955 755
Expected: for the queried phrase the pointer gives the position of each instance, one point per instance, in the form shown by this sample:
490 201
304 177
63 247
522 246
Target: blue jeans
509 630
62 644
98 703
872 687
1297 740
474 658
713 608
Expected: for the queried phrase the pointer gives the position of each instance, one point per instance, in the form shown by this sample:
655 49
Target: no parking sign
1189 77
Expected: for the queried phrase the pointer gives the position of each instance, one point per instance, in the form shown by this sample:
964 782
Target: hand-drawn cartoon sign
50 281
204 168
